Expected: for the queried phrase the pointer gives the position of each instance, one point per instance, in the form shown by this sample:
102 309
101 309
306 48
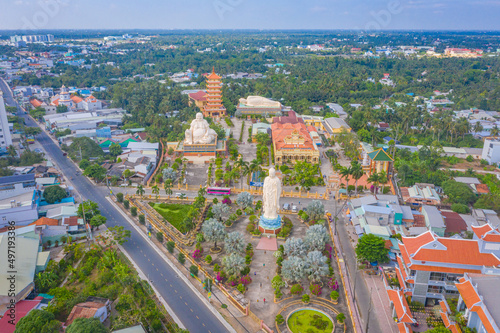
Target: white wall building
491 150
5 137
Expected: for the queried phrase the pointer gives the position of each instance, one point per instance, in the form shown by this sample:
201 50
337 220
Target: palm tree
383 179
202 191
494 131
478 127
183 196
356 173
375 180
140 190
156 191
345 173
168 187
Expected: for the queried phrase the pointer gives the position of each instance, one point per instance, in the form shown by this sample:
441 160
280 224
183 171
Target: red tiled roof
71 220
22 309
454 222
291 118
281 131
55 102
45 221
404 328
199 96
213 76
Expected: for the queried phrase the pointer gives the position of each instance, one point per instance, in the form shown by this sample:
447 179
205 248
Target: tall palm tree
140 190
494 131
383 179
356 173
375 180
478 127
156 191
168 187
345 173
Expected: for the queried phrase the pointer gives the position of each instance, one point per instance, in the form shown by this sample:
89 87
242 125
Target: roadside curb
177 271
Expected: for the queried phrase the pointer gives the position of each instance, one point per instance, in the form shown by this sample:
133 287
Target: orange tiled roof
199 96
76 99
404 328
45 221
458 251
402 282
213 76
55 102
83 310
482 189
468 292
91 99
403 312
281 131
36 103
487 233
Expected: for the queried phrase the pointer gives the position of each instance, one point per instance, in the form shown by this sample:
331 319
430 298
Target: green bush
126 204
119 197
159 236
306 298
181 257
469 158
133 211
296 289
142 219
216 268
334 295
193 270
241 288
208 259
460 208
341 318
484 162
239 212
279 319
170 246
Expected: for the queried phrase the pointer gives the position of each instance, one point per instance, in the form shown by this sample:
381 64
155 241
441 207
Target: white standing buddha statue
271 195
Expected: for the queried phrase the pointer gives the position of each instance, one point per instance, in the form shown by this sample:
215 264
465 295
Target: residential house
21 209
12 186
94 307
420 194
491 150
434 221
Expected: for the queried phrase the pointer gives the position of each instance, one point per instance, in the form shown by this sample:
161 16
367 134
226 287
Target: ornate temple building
258 105
293 143
213 106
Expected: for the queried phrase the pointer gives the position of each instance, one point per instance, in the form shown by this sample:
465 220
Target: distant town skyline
256 14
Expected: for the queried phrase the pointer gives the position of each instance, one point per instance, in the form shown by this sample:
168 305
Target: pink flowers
246 280
197 254
333 284
315 289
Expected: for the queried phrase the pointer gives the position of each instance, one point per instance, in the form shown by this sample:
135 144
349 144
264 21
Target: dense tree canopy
54 193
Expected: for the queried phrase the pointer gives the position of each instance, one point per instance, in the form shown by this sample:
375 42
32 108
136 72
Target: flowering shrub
246 280
297 289
232 281
333 284
315 289
197 254
329 249
227 201
220 276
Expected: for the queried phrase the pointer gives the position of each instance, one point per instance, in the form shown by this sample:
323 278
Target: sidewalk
381 303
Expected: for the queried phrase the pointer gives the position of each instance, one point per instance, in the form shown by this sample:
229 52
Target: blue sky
251 14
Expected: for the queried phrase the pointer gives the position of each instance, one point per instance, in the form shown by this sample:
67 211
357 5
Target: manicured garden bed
173 213
310 321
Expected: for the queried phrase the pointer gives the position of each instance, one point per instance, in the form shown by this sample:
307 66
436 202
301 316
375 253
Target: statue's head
272 172
199 116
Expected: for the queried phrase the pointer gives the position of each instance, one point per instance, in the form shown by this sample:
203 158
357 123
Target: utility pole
369 310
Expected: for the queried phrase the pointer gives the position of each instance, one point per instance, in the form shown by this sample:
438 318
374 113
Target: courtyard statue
270 221
199 132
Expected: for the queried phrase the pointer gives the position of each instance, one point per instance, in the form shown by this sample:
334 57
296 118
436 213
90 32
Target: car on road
65 154
178 195
38 150
286 206
294 209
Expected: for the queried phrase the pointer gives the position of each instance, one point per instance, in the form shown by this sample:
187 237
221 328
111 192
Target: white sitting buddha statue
199 132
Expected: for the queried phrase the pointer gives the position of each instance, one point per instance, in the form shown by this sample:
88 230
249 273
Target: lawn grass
301 322
173 213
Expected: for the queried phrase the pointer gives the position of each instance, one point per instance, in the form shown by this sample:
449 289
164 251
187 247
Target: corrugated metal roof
17 179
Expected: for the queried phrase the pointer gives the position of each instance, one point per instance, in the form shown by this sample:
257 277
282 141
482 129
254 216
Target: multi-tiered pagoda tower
214 107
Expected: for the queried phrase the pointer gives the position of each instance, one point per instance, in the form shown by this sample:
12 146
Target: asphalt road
193 313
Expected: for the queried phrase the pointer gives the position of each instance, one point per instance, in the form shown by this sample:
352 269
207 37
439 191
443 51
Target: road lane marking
190 309
197 318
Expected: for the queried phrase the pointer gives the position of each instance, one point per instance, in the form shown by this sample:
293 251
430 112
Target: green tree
371 248
458 192
38 321
54 193
115 149
167 185
97 220
95 171
29 131
213 231
91 209
84 164
140 190
356 171
86 325
120 234
156 191
61 109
